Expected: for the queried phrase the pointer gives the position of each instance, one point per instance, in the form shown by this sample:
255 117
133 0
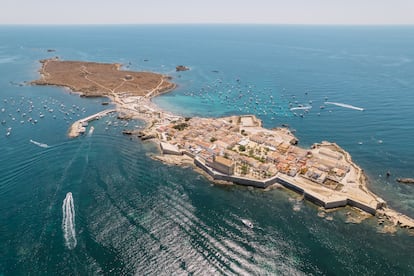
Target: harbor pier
78 127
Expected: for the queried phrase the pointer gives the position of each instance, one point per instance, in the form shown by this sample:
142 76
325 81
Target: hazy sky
207 11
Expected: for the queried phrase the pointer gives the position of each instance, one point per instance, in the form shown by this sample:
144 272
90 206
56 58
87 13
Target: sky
333 12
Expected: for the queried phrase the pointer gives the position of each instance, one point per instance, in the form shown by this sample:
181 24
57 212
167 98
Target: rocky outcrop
180 68
146 135
406 180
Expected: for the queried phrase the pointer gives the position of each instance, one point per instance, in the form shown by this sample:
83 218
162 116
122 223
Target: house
223 165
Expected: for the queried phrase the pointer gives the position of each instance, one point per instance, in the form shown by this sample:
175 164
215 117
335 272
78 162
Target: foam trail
68 221
346 106
91 131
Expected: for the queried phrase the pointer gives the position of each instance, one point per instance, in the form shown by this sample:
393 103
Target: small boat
301 107
247 222
39 144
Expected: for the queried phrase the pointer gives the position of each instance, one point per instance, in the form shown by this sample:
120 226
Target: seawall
77 127
239 180
329 201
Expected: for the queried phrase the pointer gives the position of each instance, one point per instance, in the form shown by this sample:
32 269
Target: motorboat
42 145
247 222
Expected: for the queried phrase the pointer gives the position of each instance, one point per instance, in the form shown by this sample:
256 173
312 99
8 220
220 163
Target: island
406 180
181 68
92 79
235 149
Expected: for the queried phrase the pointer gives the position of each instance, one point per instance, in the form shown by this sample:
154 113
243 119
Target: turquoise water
134 215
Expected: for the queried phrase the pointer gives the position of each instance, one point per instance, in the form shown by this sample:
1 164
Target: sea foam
68 221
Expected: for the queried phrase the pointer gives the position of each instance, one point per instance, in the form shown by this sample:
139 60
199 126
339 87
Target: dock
78 127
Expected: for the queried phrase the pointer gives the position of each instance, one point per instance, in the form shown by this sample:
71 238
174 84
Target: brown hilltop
101 79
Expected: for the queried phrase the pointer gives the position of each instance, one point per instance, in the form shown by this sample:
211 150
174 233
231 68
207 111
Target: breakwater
78 127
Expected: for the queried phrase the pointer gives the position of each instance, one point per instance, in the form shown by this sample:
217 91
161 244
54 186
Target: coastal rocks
125 116
177 160
181 68
387 229
356 216
322 214
144 135
405 180
396 218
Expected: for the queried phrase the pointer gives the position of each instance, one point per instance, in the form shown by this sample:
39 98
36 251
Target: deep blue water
135 215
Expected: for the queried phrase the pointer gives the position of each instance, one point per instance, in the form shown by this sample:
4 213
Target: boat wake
68 221
39 144
346 106
91 131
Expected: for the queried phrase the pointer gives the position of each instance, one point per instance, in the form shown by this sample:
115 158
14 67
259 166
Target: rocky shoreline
405 180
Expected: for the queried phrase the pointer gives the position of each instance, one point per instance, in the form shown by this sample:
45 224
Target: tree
242 148
181 126
244 169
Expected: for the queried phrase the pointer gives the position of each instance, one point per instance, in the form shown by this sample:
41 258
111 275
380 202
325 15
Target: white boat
247 222
39 144
301 108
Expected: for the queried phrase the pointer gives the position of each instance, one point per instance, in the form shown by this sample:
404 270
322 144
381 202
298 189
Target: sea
100 205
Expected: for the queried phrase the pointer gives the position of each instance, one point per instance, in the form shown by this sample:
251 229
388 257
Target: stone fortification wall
234 179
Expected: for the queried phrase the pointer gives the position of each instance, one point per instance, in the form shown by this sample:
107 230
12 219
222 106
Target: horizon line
215 23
